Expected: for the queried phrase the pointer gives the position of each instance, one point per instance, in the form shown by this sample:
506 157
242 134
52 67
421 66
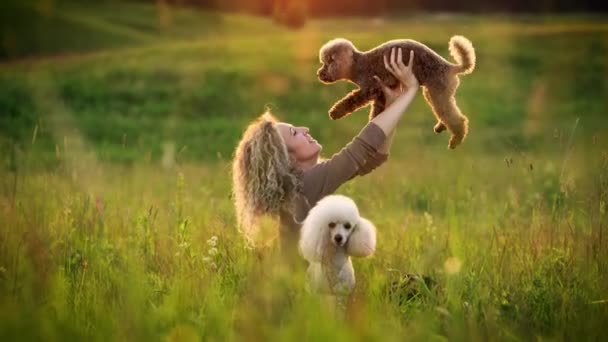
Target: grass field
117 124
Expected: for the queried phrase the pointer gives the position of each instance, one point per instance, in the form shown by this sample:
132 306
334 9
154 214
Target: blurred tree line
293 13
380 7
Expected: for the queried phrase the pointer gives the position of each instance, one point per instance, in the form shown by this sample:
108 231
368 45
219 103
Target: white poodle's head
335 220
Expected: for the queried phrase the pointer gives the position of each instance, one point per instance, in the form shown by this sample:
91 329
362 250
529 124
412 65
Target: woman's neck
307 164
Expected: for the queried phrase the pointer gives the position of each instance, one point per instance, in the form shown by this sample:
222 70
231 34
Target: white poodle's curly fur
332 232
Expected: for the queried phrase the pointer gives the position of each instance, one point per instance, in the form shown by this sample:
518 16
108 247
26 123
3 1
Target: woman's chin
318 153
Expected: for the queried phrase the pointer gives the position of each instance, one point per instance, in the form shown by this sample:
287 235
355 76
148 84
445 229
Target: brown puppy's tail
463 52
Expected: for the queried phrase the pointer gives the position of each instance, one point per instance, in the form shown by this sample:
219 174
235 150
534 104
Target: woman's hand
403 73
390 95
388 119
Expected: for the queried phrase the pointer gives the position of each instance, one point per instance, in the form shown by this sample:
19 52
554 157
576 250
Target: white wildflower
212 242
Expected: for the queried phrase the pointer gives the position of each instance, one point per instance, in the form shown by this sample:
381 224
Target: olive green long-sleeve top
357 158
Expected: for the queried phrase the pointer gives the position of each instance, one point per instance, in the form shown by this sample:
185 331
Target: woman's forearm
386 146
389 118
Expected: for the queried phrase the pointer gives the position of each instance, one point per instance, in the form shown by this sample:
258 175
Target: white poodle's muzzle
340 232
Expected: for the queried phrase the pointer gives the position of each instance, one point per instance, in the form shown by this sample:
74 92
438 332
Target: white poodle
332 232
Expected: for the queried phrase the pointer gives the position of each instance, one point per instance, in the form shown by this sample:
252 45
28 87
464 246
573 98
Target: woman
276 167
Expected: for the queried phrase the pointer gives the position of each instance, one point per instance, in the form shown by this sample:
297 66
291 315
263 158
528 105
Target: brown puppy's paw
439 127
335 115
454 141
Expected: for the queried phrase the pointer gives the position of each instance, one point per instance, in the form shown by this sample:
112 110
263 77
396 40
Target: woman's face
300 145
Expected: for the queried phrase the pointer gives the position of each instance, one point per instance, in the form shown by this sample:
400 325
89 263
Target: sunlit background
118 120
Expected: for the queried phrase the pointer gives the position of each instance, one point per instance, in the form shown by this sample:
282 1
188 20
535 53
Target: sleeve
358 157
375 160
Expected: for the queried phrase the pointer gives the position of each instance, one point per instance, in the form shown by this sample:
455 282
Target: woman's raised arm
389 118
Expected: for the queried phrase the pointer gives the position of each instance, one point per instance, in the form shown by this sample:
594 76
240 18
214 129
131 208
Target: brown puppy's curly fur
439 78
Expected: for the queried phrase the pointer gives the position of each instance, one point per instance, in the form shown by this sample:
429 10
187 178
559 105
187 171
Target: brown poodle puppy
438 77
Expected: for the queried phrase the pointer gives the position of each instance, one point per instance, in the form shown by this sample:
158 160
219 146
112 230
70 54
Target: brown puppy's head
337 59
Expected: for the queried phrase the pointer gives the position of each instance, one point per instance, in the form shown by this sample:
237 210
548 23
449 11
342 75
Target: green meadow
117 126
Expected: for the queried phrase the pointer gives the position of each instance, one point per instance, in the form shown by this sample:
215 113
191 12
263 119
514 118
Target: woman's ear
362 241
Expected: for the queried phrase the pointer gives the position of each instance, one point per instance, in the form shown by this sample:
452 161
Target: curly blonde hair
264 178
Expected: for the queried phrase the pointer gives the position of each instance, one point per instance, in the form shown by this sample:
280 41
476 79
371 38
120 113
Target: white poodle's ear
313 238
362 241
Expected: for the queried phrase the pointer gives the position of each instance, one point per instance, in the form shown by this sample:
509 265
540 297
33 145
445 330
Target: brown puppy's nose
338 238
